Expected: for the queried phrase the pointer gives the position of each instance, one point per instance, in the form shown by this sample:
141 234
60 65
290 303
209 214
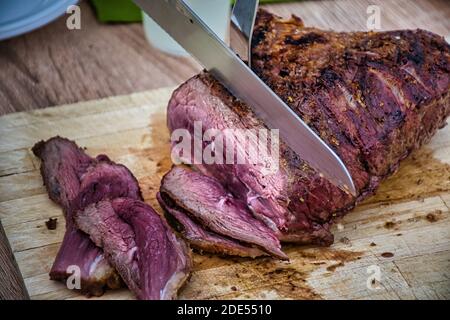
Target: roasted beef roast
103 199
372 96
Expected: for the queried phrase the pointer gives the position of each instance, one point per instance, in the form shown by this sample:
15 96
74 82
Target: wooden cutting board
404 231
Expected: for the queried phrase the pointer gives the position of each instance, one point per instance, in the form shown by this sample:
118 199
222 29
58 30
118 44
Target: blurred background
44 63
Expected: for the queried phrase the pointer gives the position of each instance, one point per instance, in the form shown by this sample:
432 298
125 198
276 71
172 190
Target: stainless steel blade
242 22
183 25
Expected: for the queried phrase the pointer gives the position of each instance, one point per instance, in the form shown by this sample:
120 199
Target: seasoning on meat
373 97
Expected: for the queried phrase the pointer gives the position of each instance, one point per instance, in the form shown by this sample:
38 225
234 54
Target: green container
117 11
127 11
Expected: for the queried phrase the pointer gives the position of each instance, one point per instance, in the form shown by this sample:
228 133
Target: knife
183 25
243 19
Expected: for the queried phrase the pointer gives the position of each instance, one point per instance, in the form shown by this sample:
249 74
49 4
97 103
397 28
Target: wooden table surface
53 65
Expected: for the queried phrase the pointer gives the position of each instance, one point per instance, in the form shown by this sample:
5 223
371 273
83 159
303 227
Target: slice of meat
151 260
106 200
200 238
105 180
217 210
373 97
73 180
101 180
96 273
63 164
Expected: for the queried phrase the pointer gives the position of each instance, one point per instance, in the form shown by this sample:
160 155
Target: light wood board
409 217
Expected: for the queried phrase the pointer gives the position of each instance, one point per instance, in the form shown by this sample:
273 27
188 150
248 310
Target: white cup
215 13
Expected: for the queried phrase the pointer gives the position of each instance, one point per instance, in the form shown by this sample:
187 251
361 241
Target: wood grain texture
409 218
54 66
351 15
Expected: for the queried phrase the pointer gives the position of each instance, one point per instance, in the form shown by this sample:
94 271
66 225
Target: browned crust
399 84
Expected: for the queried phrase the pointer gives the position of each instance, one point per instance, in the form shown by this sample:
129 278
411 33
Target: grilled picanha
372 96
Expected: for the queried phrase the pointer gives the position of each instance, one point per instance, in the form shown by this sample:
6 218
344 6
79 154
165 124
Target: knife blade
189 30
243 19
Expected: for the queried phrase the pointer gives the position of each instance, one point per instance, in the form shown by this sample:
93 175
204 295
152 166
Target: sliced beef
63 164
103 179
96 272
373 97
201 238
151 260
217 210
104 200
